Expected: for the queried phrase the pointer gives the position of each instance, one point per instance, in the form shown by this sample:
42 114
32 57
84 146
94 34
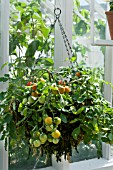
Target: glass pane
21 159
84 152
91 56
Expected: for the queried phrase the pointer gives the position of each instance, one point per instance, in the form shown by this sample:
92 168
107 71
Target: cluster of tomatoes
50 124
49 131
52 134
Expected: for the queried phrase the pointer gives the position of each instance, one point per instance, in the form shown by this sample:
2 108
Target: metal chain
57 13
68 47
66 40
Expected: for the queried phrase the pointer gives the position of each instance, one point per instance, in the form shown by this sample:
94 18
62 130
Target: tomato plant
56 122
51 110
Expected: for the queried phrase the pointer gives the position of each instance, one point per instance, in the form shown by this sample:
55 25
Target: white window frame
4 57
94 6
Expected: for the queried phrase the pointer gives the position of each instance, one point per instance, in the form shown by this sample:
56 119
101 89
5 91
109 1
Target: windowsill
47 168
92 164
103 43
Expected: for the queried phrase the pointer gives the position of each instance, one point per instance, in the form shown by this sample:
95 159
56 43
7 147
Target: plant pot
109 15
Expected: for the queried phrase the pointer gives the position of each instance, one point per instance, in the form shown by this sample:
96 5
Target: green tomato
36 134
43 138
39 119
54 89
37 143
30 100
55 141
24 101
49 128
49 138
44 116
31 141
57 120
41 99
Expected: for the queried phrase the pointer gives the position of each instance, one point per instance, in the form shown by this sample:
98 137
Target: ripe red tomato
34 87
60 82
29 83
78 74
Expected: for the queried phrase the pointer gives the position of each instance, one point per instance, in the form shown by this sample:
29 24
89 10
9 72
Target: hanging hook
57 12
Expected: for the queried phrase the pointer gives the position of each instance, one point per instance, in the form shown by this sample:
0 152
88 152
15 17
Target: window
83 48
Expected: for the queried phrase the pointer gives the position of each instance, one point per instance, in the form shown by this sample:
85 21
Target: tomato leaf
76 132
63 118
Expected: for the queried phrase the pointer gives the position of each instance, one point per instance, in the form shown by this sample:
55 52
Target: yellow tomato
56 134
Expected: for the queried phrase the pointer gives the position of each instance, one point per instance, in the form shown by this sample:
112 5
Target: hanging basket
54 111
109 15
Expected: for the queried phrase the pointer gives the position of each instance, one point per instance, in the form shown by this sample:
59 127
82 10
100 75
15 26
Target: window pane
92 56
20 158
84 152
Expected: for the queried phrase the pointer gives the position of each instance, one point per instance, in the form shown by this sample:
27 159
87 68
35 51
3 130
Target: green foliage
28 33
77 4
111 5
82 26
30 99
100 25
36 91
